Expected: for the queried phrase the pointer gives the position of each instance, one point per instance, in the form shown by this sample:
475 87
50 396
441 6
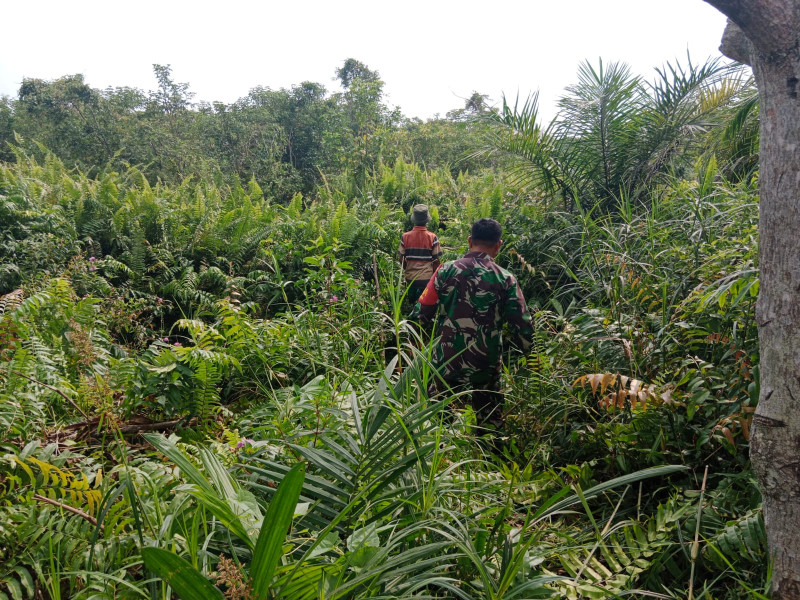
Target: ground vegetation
209 386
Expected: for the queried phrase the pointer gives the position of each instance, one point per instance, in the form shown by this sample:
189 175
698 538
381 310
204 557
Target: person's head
420 215
485 237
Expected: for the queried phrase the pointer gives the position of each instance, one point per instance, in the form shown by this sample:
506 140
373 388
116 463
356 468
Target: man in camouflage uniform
476 297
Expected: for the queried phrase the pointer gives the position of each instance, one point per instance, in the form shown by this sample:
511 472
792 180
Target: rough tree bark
766 35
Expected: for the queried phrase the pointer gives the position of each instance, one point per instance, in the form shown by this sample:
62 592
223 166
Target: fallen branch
86 428
68 508
162 426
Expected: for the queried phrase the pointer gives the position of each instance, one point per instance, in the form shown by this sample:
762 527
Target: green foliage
616 561
254 335
615 134
187 582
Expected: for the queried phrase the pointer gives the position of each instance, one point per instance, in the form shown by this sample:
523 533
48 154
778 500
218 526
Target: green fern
614 563
743 541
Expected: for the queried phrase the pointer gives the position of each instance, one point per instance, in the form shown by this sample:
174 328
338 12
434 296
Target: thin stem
68 508
696 544
53 389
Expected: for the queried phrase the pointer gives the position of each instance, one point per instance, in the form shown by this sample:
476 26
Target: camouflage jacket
476 297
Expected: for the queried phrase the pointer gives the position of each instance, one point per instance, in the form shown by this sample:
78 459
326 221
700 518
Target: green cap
420 215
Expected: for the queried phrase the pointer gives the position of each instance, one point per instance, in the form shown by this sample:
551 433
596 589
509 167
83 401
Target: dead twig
84 429
696 545
162 426
68 508
53 389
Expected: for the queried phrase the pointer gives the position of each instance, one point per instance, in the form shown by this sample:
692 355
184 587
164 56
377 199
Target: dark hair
486 231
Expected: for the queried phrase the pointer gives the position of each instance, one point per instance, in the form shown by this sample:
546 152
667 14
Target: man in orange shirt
419 253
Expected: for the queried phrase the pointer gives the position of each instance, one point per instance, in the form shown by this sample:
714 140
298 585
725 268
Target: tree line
285 139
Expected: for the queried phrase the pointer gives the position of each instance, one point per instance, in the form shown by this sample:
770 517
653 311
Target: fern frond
10 301
741 541
616 561
30 477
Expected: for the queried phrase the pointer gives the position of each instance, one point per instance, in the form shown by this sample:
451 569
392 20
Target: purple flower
333 299
165 339
177 344
240 444
92 268
92 259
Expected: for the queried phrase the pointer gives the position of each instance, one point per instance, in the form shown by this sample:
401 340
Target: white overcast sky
432 54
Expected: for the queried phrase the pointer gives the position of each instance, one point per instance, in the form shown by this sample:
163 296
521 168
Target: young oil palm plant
597 130
615 132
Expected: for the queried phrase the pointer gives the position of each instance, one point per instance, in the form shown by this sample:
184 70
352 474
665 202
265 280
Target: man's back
477 297
419 249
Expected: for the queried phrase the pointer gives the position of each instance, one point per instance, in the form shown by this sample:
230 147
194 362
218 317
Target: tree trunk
775 444
764 34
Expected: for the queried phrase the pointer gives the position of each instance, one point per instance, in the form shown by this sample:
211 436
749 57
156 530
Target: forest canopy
284 138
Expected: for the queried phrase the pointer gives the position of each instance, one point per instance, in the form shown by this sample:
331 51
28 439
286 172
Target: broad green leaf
222 511
327 543
366 536
269 547
361 557
172 452
164 369
183 578
611 484
25 579
222 508
14 588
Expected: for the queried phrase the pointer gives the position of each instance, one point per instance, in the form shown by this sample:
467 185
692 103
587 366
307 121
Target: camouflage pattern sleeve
517 316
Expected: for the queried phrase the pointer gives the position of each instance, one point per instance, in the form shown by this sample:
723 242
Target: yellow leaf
27 470
608 379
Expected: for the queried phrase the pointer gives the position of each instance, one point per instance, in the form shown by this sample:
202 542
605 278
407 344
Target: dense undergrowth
207 393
